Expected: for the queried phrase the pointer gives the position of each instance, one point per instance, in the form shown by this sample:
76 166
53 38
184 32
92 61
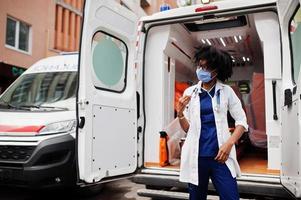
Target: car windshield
51 90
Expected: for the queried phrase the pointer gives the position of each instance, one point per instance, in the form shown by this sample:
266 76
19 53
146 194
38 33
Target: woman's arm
184 123
238 132
182 104
241 126
225 149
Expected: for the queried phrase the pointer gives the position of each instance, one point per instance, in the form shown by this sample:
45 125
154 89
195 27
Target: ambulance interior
253 40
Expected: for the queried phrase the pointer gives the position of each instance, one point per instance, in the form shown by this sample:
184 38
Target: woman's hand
183 102
224 151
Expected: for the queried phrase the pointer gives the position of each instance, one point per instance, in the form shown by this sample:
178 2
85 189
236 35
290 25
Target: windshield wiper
54 107
10 105
29 107
46 107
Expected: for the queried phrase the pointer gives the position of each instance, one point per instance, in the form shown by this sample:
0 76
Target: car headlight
58 127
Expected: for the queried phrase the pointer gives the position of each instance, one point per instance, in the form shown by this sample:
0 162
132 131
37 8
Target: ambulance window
109 60
295 39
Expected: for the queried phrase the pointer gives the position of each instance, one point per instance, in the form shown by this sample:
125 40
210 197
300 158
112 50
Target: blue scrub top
208 144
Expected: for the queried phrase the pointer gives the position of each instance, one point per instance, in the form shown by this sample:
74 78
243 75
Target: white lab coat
190 151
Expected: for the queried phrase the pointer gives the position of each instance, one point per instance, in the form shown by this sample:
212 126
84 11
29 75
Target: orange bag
163 151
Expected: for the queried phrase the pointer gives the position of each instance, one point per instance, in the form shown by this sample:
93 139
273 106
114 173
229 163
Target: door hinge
139 130
82 103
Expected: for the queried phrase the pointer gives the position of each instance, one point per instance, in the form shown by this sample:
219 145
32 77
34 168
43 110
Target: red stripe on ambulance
24 129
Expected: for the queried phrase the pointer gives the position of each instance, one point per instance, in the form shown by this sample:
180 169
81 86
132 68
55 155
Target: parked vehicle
38 123
126 89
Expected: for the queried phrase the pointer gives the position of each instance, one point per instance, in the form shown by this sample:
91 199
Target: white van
127 84
38 123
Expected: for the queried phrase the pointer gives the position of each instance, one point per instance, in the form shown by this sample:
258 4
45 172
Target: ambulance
128 73
38 124
129 70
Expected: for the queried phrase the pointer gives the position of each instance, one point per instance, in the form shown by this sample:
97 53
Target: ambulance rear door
106 103
289 17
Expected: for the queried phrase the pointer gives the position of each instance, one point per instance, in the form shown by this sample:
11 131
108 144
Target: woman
209 149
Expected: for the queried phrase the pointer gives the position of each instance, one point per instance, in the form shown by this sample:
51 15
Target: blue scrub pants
224 183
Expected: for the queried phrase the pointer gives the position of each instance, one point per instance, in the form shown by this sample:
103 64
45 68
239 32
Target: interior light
235 38
244 59
240 38
233 60
221 39
204 42
248 59
205 1
208 42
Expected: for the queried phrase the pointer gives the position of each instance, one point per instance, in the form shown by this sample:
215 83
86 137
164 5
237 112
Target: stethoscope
218 98
218 101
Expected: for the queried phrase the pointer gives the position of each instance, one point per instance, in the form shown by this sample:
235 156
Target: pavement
117 190
122 189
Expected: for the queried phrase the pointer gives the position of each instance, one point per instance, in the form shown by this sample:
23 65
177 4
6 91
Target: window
295 39
17 34
109 58
41 88
11 32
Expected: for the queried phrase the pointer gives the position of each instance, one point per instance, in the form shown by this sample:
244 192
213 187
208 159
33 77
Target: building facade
68 19
35 29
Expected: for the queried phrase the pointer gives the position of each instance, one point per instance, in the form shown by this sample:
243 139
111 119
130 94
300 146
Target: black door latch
288 97
81 123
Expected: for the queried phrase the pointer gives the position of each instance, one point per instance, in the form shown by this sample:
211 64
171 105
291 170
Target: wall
68 19
40 15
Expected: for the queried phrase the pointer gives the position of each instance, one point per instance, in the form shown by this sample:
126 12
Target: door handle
275 117
81 123
138 104
288 97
